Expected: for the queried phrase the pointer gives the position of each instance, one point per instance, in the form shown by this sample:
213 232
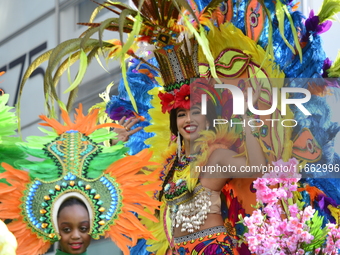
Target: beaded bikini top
188 208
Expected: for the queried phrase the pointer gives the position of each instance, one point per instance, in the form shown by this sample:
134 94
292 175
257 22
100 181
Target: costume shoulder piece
74 164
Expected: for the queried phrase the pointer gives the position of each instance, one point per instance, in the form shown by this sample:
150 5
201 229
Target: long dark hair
211 115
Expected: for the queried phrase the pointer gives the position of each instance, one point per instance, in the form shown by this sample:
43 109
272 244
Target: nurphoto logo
239 105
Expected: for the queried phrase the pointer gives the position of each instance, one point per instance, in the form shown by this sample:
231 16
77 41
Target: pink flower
248 221
300 251
307 213
257 217
260 184
272 211
269 233
293 209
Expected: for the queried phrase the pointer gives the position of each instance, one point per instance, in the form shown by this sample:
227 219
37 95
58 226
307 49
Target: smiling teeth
190 128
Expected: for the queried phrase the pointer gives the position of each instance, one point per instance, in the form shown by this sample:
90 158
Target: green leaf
319 233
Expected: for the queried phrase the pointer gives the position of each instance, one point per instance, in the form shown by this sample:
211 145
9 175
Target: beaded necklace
184 161
188 209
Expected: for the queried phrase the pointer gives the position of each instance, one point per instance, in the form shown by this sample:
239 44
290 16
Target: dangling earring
179 145
207 128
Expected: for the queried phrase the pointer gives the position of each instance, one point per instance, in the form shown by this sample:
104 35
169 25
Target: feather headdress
75 165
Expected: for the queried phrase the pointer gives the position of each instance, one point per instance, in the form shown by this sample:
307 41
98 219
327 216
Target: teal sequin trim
72 152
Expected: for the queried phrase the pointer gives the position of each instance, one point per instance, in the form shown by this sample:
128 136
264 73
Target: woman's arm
224 164
221 167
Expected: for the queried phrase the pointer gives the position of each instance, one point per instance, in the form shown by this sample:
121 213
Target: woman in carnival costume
177 162
103 181
202 194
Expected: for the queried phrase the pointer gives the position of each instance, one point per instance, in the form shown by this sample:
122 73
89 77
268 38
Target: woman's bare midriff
212 220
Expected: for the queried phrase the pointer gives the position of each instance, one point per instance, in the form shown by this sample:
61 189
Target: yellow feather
335 213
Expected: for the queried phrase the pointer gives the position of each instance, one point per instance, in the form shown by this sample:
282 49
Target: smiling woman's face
74 226
190 122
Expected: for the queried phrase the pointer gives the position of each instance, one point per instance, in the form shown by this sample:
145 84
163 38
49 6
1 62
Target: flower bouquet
282 223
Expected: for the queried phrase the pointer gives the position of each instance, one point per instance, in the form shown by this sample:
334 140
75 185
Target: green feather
10 151
134 33
36 63
122 20
56 57
10 154
100 62
101 135
44 170
210 94
87 34
102 162
96 11
281 11
204 43
8 120
328 9
51 133
64 66
334 70
294 32
184 3
81 72
35 152
37 142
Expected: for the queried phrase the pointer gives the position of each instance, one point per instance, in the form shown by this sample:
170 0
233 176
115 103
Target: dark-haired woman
191 216
74 226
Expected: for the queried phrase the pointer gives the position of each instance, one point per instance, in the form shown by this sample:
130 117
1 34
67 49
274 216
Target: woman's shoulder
223 156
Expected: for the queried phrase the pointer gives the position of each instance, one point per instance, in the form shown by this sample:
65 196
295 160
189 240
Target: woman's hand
124 133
